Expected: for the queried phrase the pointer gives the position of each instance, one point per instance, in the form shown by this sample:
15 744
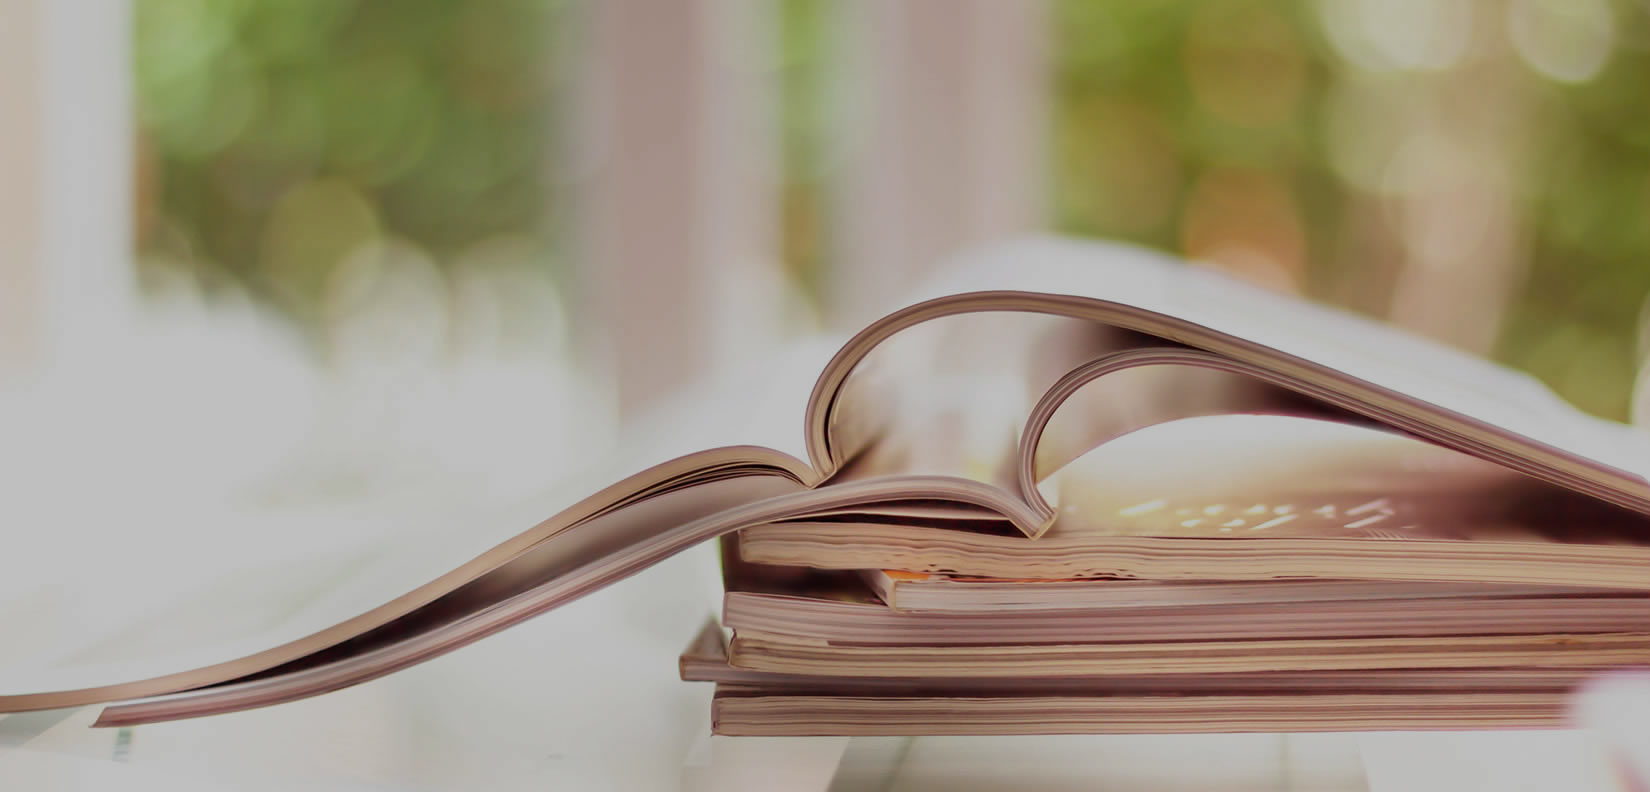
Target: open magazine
1055 413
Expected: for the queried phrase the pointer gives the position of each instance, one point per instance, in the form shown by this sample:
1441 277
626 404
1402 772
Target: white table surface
584 697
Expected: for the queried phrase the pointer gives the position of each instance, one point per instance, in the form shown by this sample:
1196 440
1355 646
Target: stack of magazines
1069 488
965 655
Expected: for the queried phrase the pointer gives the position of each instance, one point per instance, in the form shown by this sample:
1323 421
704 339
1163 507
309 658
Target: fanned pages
766 703
761 713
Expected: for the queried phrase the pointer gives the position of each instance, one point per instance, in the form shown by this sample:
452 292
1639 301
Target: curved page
1029 459
156 659
1478 405
572 563
210 616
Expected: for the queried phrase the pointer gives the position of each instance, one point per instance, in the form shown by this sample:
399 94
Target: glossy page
1464 400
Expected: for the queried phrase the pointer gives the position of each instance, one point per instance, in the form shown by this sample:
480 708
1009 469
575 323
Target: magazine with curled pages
1067 487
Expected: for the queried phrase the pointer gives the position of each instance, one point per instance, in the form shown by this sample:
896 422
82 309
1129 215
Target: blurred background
422 251
277 275
366 246
1476 169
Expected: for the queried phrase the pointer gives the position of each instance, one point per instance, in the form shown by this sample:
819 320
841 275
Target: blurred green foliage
1152 97
804 51
278 135
1128 126
1577 323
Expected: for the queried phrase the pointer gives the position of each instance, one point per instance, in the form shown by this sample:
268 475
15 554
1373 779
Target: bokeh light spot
1246 222
1245 65
311 230
1564 40
1399 35
386 307
1124 161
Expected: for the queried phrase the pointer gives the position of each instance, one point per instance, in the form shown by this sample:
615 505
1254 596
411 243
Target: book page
1269 477
1444 393
952 395
1361 348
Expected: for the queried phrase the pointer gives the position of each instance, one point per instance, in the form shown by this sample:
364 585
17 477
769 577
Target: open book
1047 410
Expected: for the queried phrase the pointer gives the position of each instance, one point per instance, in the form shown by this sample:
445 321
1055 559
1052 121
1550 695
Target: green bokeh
426 120
431 121
1583 191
